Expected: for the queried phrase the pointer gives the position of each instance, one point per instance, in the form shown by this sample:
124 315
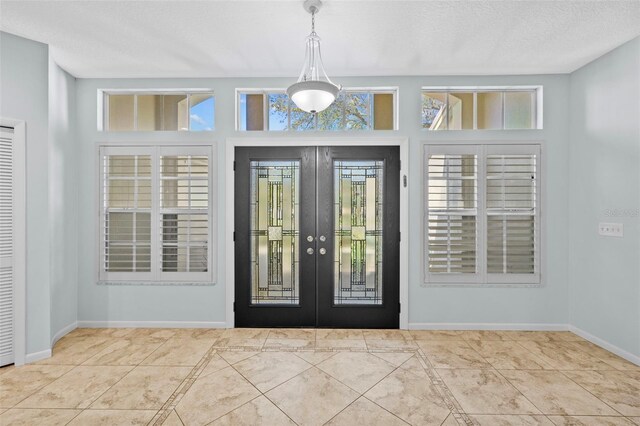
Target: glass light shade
313 96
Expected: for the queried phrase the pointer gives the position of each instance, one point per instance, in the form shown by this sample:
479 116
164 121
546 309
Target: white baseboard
486 326
65 330
151 324
37 356
606 345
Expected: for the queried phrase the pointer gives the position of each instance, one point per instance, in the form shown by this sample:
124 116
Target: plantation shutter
127 205
512 213
452 214
6 248
184 226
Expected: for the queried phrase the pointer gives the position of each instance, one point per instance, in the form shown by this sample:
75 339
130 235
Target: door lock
323 251
322 238
310 238
309 250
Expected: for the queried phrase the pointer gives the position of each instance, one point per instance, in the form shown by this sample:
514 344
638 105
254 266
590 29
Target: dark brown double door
317 237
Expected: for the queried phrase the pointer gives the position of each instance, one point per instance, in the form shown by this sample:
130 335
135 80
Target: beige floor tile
260 411
289 344
534 336
37 416
76 389
635 419
485 392
144 388
553 393
216 363
312 397
484 335
387 334
246 333
315 357
6 368
612 359
383 344
358 370
414 366
510 420
365 412
77 350
394 358
293 333
242 343
590 421
339 334
507 355
158 333
19 383
451 421
619 389
564 336
125 352
414 399
213 396
269 369
341 344
198 333
172 420
233 357
562 356
113 417
452 354
436 334
179 352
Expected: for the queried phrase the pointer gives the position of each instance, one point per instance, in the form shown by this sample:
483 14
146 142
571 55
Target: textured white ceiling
266 38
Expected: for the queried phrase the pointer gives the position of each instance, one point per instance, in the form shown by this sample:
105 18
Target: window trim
482 278
537 110
103 107
393 90
156 276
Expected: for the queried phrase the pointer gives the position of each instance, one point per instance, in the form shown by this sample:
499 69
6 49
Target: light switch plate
611 229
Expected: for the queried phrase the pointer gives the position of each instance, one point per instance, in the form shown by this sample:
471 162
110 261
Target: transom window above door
354 109
152 111
482 108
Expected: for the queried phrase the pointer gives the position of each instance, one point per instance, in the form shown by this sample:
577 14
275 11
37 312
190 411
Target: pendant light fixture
314 91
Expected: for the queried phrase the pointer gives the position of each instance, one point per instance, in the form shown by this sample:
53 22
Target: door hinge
234 235
399 236
234 306
399 307
404 181
234 166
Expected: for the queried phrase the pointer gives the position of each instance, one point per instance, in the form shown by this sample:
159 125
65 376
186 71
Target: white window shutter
452 214
6 248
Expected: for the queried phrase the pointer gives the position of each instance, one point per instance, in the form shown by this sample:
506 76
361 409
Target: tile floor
315 377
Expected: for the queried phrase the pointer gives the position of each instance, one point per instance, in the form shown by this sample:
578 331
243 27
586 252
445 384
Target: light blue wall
605 177
63 200
545 305
24 89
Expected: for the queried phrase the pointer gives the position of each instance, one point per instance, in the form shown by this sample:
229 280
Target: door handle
309 250
323 251
322 238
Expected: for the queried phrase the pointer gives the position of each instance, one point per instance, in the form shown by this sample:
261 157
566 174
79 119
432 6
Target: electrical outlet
611 229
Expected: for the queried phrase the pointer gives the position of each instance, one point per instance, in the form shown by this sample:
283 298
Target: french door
317 237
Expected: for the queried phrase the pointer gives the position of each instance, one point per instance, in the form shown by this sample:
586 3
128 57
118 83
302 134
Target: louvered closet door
6 247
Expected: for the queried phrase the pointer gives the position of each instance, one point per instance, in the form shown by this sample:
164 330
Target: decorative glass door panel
358 200
317 237
275 235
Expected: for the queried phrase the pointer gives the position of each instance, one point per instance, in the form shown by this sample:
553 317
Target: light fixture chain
313 20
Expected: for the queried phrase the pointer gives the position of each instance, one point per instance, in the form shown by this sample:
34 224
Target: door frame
19 220
303 140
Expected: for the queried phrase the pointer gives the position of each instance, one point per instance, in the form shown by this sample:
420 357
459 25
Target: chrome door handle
309 250
323 251
310 238
323 238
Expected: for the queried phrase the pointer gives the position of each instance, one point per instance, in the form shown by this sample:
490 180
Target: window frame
481 278
103 107
536 111
392 90
156 276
